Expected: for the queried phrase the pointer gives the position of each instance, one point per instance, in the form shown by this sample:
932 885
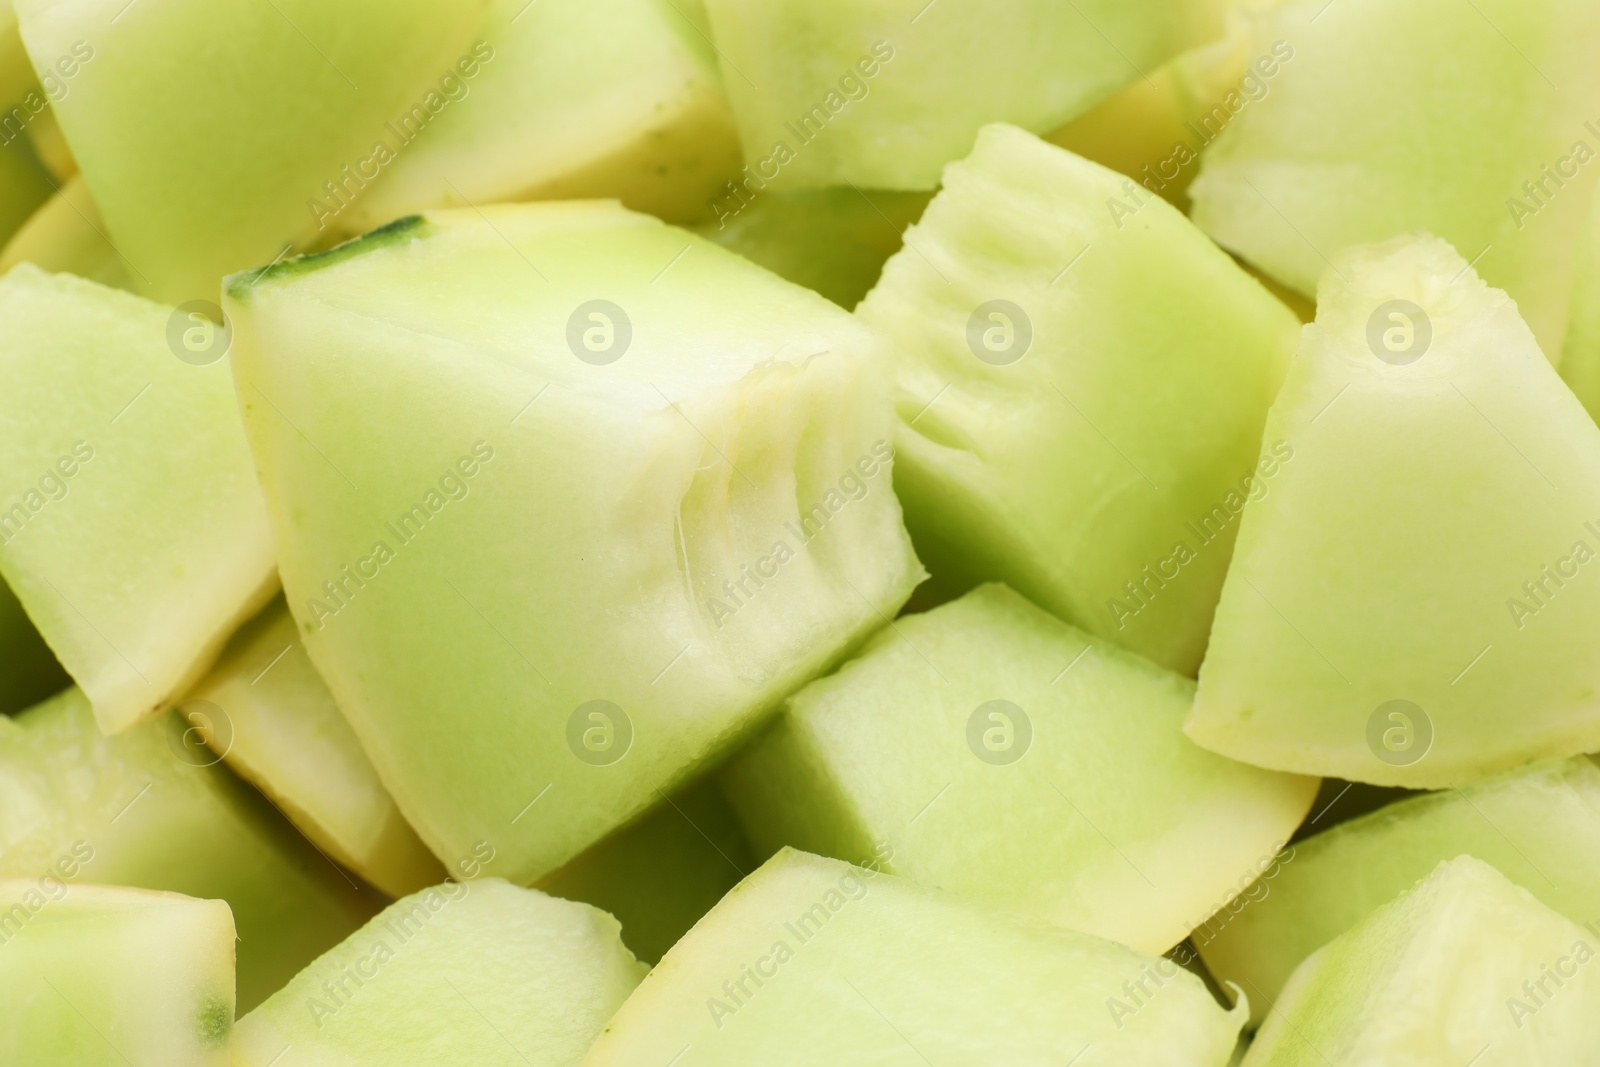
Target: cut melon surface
135 549
1476 122
66 235
811 960
462 974
267 712
1082 382
137 810
1410 605
94 976
997 752
719 439
1464 968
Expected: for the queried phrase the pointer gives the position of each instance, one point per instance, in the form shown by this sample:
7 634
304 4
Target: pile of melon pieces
665 532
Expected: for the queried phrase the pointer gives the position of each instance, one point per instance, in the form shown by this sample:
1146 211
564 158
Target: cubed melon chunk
1083 378
812 961
612 488
1410 605
146 809
131 525
265 709
94 976
987 748
463 974
1466 968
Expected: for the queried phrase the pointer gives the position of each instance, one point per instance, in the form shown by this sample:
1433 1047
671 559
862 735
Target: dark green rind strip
412 226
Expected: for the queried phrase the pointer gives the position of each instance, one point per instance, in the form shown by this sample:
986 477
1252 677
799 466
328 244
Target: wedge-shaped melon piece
1464 968
31 670
1000 753
1477 122
619 492
459 975
567 99
1410 605
106 977
1083 378
1540 827
136 549
150 808
812 960
50 145
265 709
884 94
206 131
66 236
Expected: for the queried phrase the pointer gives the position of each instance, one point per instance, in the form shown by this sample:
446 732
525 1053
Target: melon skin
1464 968
451 976
1421 502
97 976
684 461
1133 354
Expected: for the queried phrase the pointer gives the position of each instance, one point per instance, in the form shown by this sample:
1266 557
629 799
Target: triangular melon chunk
94 976
1413 603
1465 968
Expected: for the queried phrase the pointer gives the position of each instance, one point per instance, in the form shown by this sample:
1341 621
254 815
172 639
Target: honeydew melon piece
1422 114
205 131
272 718
1580 353
812 960
50 145
1002 754
1429 437
456 976
135 549
1461 969
571 99
1539 827
24 184
66 236
93 975
31 672
1083 377
16 72
660 875
687 422
843 93
147 809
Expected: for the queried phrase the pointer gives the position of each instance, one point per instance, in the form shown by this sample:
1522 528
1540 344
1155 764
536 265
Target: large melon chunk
1002 754
464 974
1083 378
1478 121
100 977
1466 968
131 525
814 961
1412 604
565 499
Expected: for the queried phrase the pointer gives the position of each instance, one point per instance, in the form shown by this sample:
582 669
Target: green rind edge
241 284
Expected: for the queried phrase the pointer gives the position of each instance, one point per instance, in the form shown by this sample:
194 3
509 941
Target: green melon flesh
1099 468
24 184
884 94
135 810
303 87
1109 820
572 99
1397 115
813 961
131 525
464 974
1540 827
16 73
50 145
1466 968
680 467
101 977
272 718
1580 353
67 236
1389 562
31 671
